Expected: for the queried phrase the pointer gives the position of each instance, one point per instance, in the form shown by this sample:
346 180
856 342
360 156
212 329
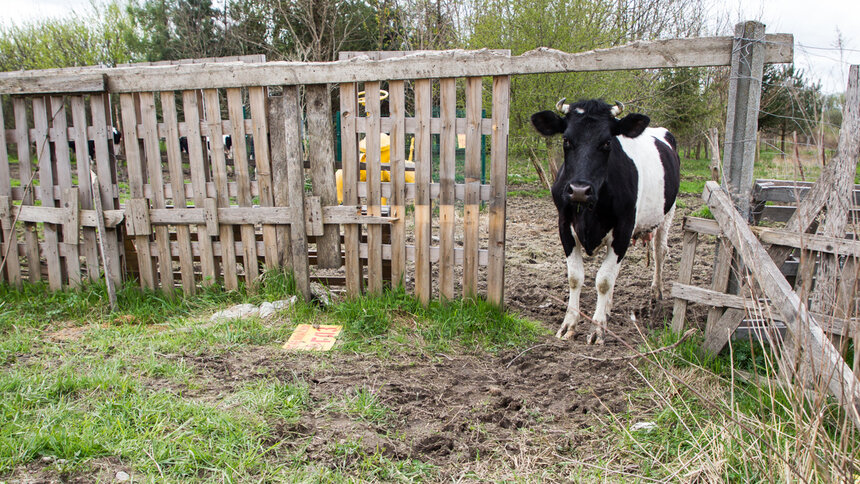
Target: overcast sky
814 25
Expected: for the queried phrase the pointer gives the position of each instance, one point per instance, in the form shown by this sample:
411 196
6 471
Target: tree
789 102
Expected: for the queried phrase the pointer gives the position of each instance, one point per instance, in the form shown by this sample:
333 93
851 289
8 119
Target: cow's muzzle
579 193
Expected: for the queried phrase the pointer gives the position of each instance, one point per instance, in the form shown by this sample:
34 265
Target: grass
726 419
122 384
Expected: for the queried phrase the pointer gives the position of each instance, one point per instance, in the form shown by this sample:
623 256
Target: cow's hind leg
661 246
605 282
575 276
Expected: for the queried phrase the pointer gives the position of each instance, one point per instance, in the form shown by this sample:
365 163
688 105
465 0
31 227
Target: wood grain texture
423 160
296 188
106 176
321 156
197 167
374 194
135 183
63 166
12 266
46 177
471 207
447 168
828 363
212 108
280 186
397 198
236 111
668 53
349 156
90 249
685 275
177 182
152 148
25 175
259 120
498 190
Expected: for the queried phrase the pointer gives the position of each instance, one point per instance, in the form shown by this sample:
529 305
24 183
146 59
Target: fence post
742 117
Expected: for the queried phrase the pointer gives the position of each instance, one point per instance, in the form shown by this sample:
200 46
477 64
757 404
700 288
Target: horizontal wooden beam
52 215
667 53
814 242
713 298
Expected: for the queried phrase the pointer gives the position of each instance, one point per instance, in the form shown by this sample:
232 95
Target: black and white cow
91 144
618 183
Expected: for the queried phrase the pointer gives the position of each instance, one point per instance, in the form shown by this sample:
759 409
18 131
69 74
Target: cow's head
589 129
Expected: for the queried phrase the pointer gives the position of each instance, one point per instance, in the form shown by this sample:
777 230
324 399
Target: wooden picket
191 220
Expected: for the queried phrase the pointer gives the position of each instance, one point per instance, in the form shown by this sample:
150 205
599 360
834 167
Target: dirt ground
518 409
475 415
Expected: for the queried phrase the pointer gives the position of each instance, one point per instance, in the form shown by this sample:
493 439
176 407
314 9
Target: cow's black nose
579 193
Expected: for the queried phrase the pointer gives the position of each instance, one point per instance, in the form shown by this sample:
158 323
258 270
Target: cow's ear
632 125
548 123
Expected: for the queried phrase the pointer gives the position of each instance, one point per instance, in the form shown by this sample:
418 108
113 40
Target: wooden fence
180 209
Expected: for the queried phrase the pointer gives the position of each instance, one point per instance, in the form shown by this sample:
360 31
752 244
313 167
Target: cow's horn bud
561 106
616 110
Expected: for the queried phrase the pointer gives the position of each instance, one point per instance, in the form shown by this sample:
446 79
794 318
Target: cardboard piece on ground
309 338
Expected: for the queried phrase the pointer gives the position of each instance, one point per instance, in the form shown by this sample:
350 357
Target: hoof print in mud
435 445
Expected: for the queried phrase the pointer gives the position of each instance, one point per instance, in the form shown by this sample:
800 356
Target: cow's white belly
650 196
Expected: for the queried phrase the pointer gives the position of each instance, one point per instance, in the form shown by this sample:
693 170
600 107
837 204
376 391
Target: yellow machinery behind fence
385 152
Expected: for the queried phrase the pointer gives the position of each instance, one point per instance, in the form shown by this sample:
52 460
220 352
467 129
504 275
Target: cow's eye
567 144
605 146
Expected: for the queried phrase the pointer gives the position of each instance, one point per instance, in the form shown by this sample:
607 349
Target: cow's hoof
564 332
595 337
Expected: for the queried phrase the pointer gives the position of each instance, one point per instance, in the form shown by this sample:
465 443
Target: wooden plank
719 283
243 180
280 186
25 176
447 169
471 207
109 197
82 162
498 187
197 167
52 81
134 160
397 199
685 275
423 162
103 236
177 182
151 144
827 362
63 174
260 124
213 216
321 156
212 108
839 201
46 179
374 198
410 125
296 188
349 156
11 263
698 295
657 54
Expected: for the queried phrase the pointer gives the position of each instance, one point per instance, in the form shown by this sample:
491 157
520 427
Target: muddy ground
475 415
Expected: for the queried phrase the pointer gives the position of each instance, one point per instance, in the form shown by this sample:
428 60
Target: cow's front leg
575 275
605 282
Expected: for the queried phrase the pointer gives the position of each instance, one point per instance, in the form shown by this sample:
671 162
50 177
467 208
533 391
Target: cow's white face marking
579 111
